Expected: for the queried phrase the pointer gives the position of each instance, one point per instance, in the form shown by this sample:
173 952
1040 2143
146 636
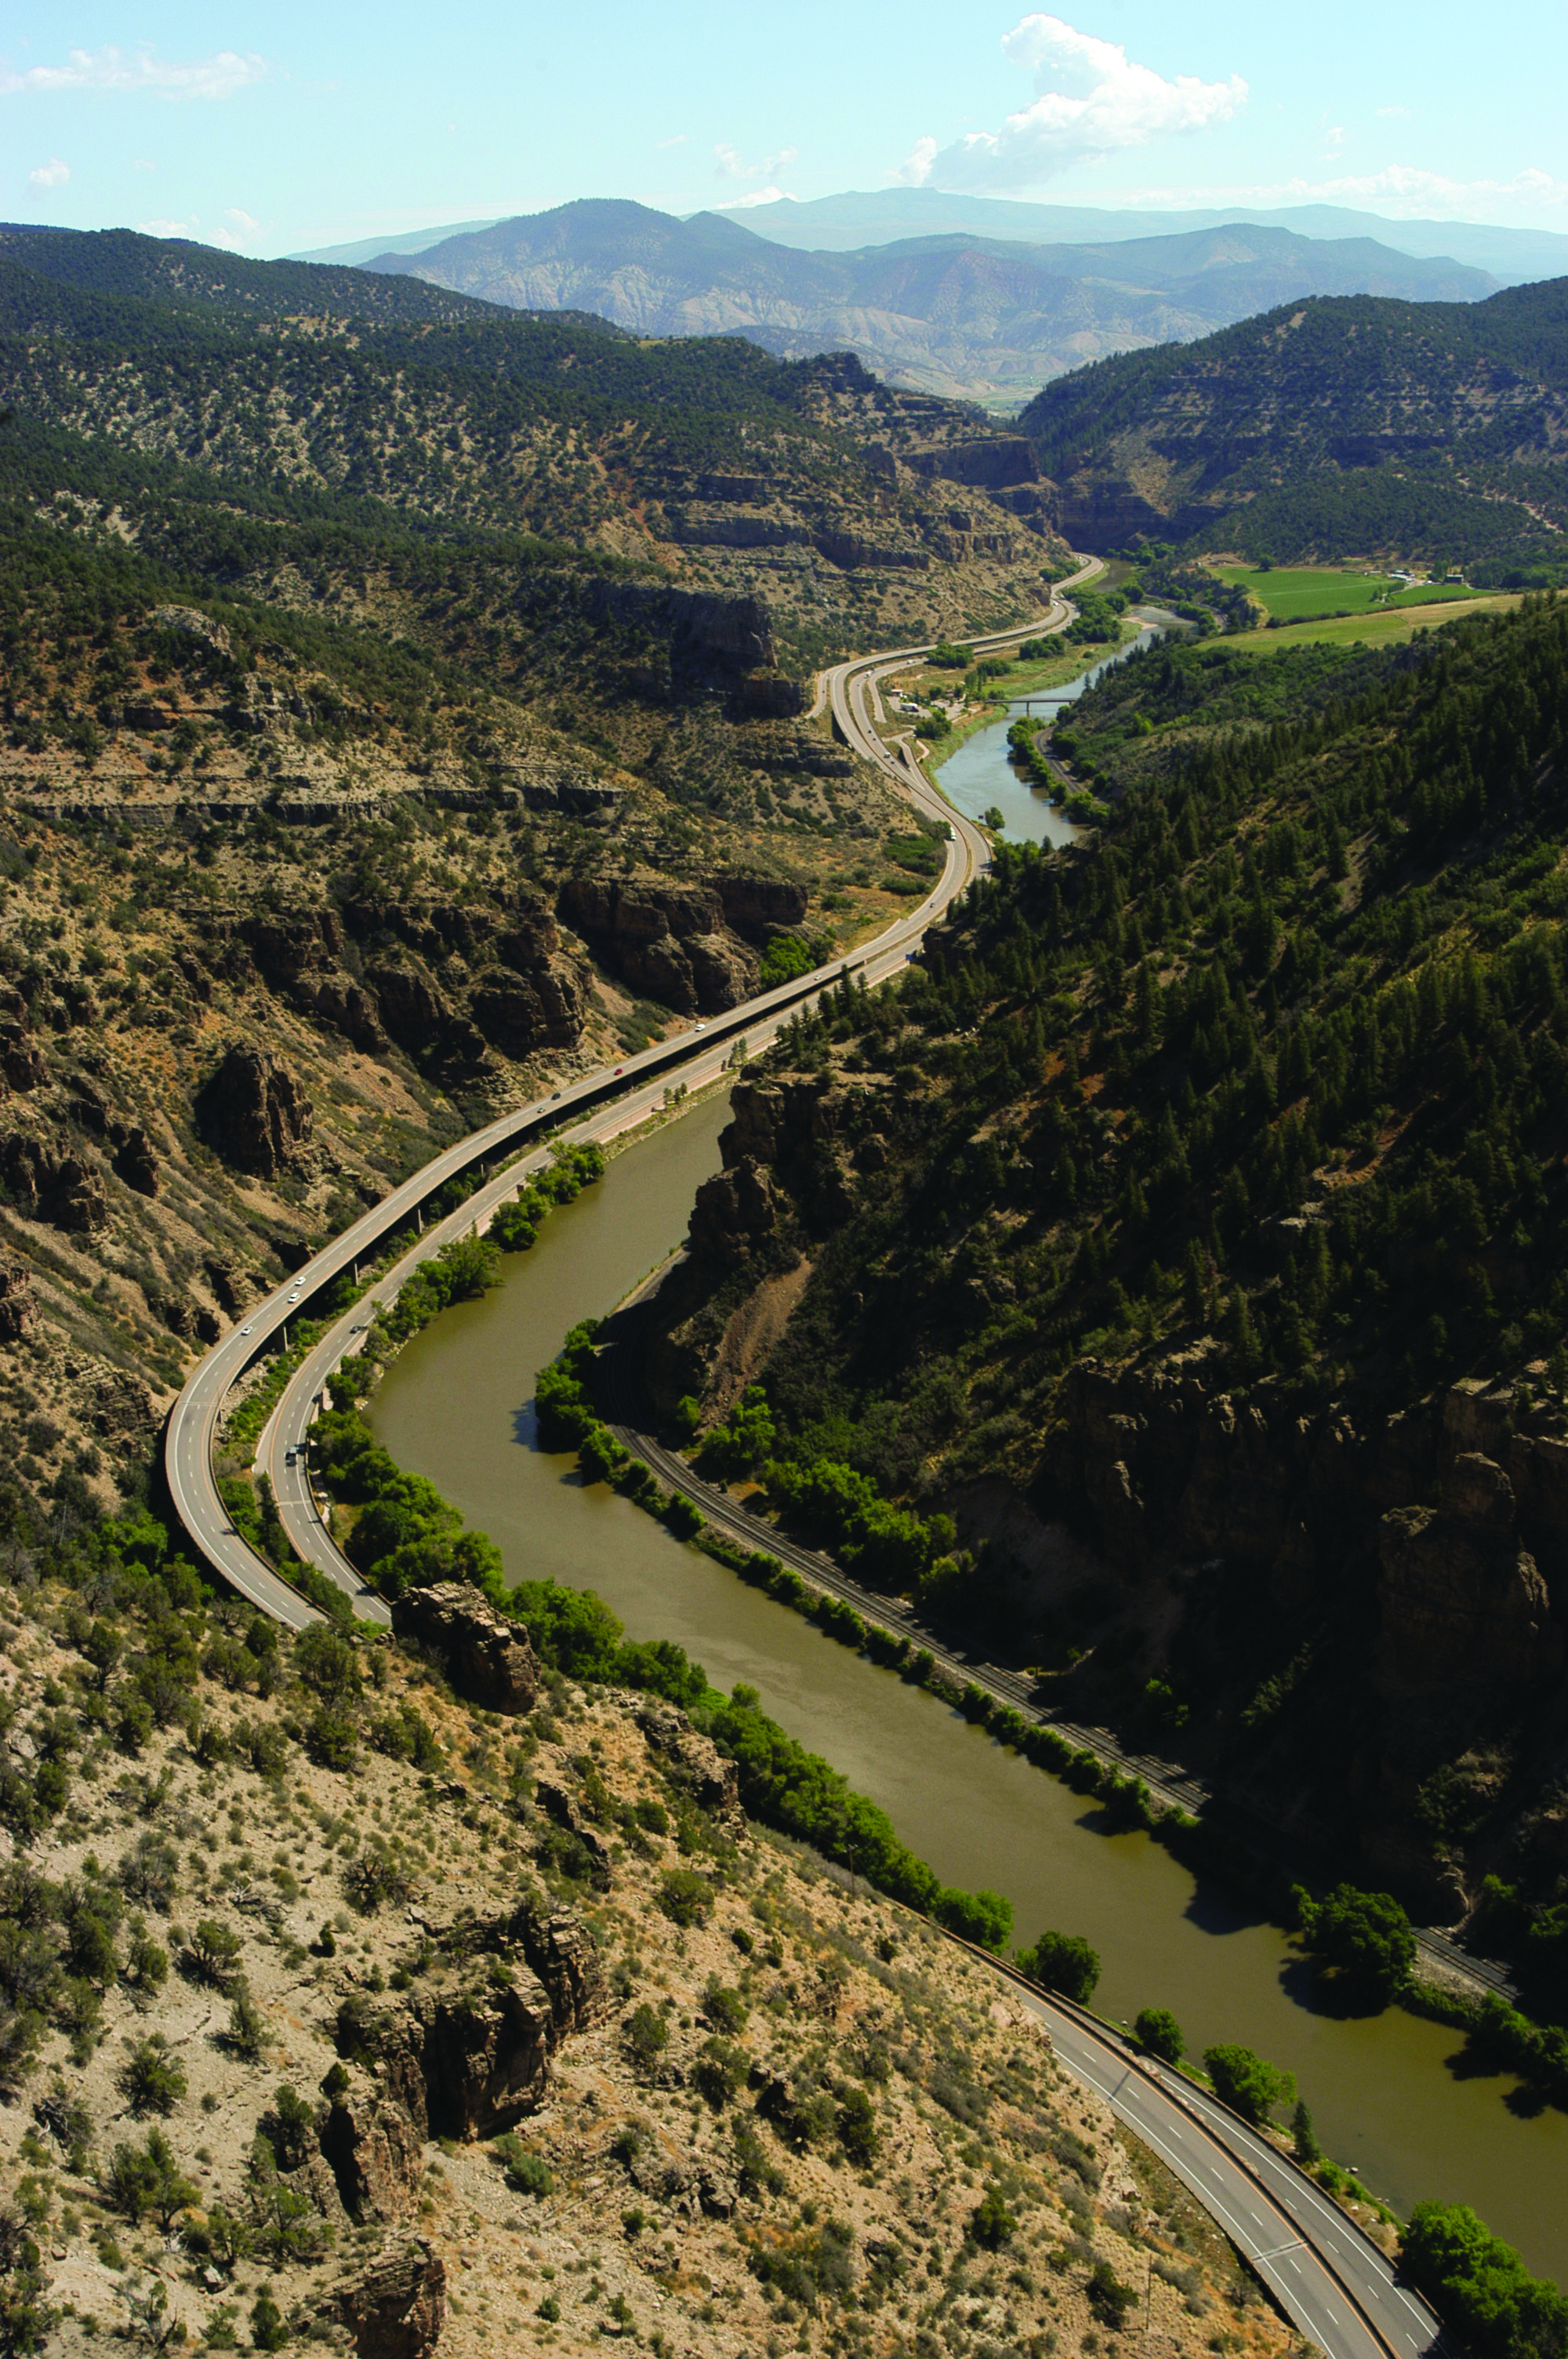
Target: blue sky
274 127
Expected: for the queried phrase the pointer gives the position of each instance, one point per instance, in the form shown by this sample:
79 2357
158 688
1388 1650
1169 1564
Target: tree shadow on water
1214 1910
1481 2059
1317 1990
526 1436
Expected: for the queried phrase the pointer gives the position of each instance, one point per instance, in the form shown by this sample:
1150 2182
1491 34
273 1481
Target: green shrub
858 2127
1367 1936
1481 2286
1064 1962
1108 2299
686 1897
1249 2085
725 2009
990 2223
526 2172
268 2332
151 2080
647 2036
983 1917
147 2178
1157 2030
719 2073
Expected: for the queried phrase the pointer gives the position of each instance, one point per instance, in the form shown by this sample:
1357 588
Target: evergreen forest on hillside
1261 1088
1343 426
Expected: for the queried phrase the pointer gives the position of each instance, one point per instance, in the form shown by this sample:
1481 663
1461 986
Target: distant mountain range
984 318
882 216
875 217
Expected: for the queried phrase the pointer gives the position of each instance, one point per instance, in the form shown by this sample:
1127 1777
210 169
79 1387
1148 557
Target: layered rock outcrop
1458 1594
694 1760
19 1307
374 2150
135 1160
487 1657
760 905
255 1113
21 1058
397 2309
48 1181
666 941
467 2053
521 1013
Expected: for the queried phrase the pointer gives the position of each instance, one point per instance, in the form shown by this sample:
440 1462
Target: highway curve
691 1057
1333 2282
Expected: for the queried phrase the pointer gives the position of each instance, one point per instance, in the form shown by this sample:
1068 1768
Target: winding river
1388 2093
979 775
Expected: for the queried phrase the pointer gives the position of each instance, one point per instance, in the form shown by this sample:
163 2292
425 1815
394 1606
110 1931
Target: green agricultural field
1288 593
1384 627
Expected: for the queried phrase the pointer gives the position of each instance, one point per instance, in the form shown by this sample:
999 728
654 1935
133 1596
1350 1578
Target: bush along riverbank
402 1533
1361 1942
462 1270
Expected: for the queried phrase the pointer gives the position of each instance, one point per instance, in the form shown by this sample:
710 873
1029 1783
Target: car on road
245 1331
289 1456
295 1296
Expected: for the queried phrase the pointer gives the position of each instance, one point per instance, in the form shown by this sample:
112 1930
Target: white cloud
170 228
680 140
52 175
140 73
1091 100
731 167
753 197
236 230
1394 113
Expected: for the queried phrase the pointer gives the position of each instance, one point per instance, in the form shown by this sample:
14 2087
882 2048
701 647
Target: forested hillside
1340 427
704 460
1190 1227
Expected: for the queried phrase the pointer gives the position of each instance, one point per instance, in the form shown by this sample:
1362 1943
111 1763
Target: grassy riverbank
991 697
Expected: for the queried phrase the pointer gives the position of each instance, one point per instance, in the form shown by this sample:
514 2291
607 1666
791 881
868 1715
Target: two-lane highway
1331 2281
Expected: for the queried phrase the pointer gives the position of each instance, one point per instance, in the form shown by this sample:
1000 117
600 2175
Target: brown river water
1389 2095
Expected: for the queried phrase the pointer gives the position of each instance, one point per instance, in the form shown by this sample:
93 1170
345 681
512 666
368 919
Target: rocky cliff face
48 1180
489 1656
255 1113
1460 1600
667 942
1169 1465
1401 1582
397 2309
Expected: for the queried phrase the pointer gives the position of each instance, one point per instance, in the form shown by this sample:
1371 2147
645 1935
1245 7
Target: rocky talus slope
337 2008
